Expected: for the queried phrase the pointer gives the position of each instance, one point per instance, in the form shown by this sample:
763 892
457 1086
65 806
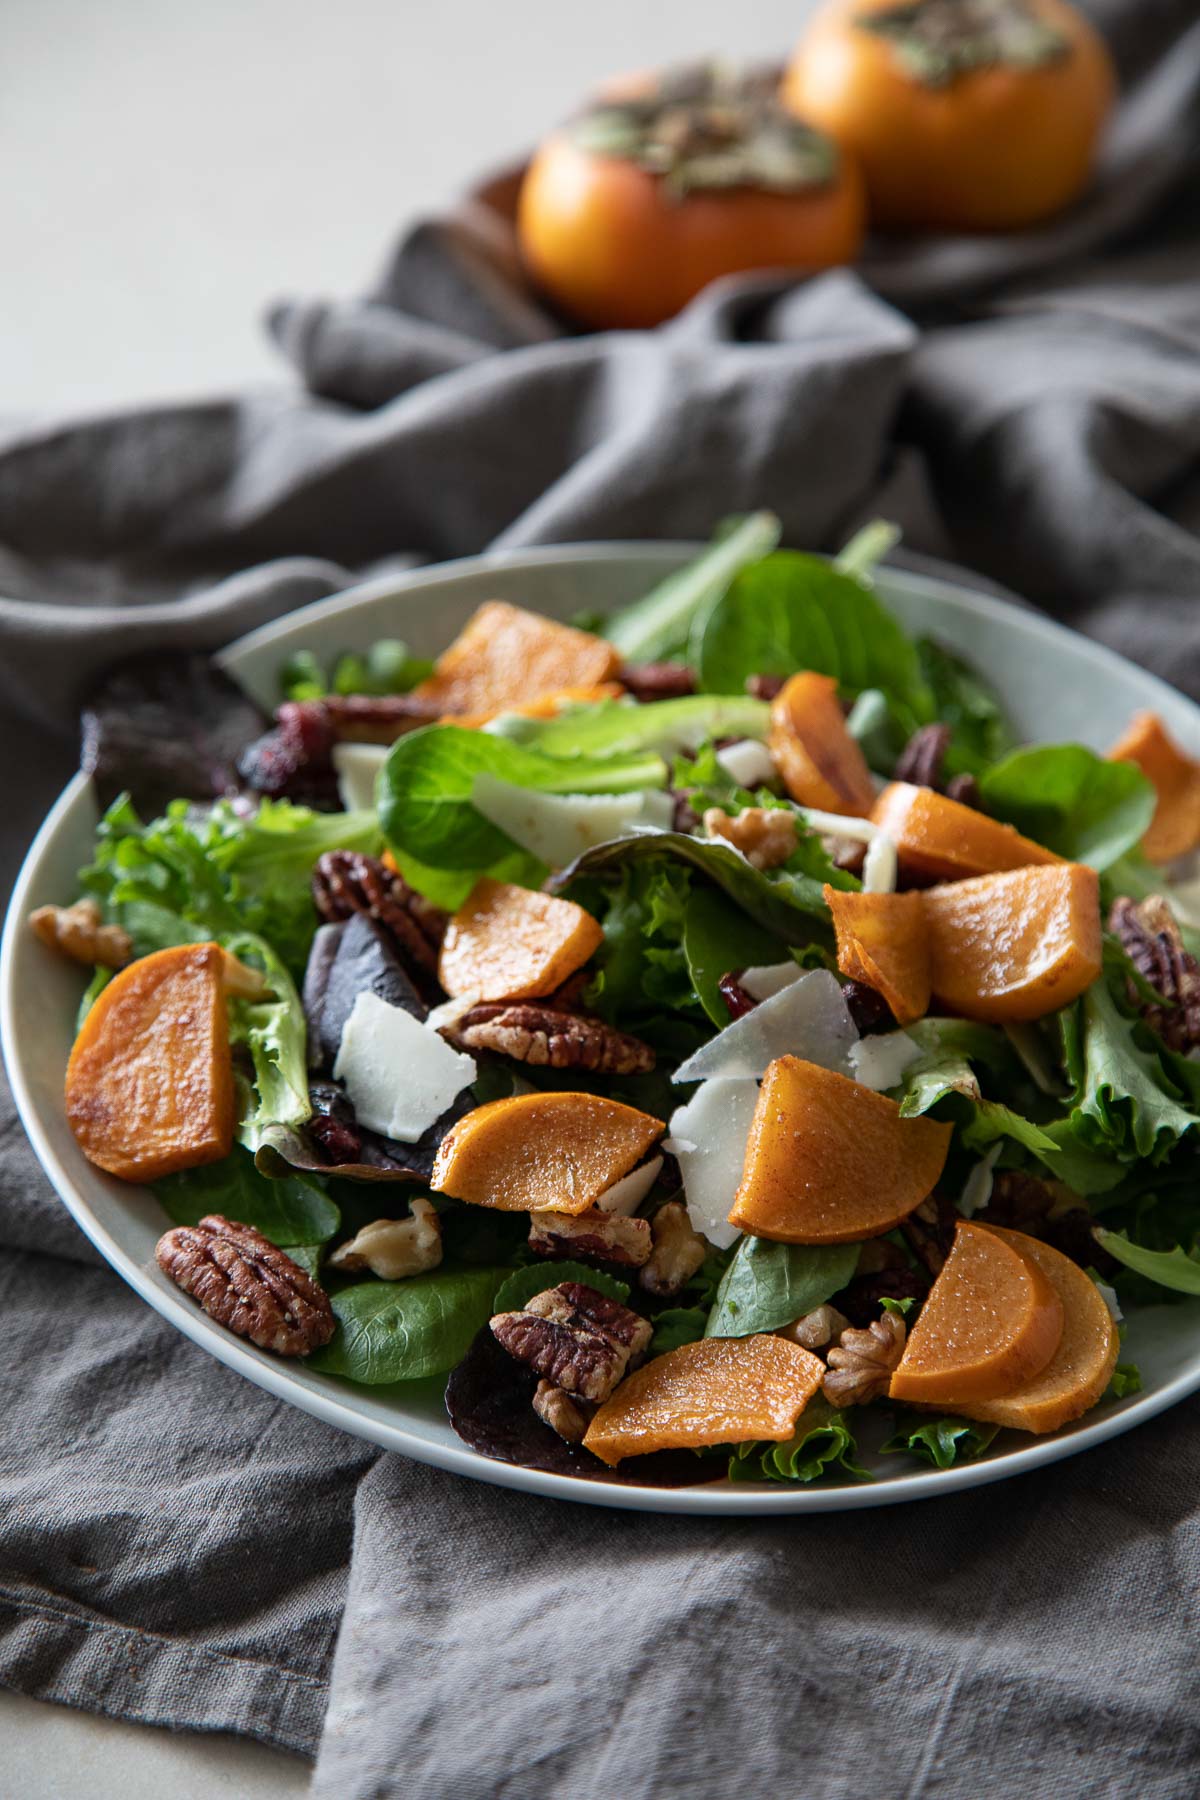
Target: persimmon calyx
936 41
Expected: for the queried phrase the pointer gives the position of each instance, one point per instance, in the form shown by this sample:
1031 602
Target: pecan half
606 1237
575 1338
765 835
678 1251
79 932
921 760
548 1037
861 1362
345 882
394 1249
248 1285
657 681
561 1412
1152 938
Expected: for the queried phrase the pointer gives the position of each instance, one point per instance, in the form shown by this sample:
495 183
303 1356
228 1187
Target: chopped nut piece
678 1251
575 1338
561 1412
80 933
248 1285
546 1035
604 1236
1152 938
861 1362
765 835
817 1328
393 1249
346 882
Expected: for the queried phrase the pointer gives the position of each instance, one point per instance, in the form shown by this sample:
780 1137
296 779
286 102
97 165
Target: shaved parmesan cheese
880 1062
357 767
452 1010
880 866
748 762
709 1137
556 828
842 825
399 1075
977 1188
765 979
625 1196
808 1018
1109 1297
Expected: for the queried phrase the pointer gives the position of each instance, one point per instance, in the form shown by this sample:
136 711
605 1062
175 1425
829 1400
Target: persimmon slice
150 1080
821 764
1015 946
938 839
882 941
1175 828
542 1152
505 656
1081 1368
715 1391
991 1322
512 943
829 1162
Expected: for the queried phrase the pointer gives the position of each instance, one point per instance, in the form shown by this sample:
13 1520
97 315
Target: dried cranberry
734 994
868 1008
764 687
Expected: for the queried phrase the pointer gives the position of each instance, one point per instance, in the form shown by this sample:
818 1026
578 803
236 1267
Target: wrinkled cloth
179 1548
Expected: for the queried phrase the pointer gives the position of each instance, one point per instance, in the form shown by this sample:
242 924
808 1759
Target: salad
702 1037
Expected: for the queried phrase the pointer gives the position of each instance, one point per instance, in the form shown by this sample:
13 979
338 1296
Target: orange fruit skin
507 657
1015 946
993 150
611 246
992 1321
715 1391
829 1162
882 939
1175 828
542 1152
1081 1368
821 764
938 839
512 943
149 1086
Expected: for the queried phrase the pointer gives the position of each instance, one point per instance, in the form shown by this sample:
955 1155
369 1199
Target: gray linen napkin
173 1544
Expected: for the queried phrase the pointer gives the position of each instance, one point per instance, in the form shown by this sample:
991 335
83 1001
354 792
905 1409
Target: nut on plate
546 1035
79 932
247 1284
575 1338
678 1251
562 1412
345 882
765 835
603 1236
823 1325
861 1362
1154 944
394 1249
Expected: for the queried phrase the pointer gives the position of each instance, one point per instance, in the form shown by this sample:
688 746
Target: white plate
1057 686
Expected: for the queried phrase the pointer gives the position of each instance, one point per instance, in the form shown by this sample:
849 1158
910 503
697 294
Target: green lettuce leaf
659 625
1124 1104
276 1034
387 668
718 937
822 1444
292 1211
768 1285
404 1330
1176 1269
1071 800
1126 1380
642 980
944 1442
981 734
523 1284
620 728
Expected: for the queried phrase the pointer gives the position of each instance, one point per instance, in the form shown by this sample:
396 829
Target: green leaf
1123 1102
618 727
964 701
675 1326
1071 800
308 1258
822 1444
276 1035
1126 1380
658 625
642 979
768 1285
523 1284
867 549
1168 1268
793 611
944 1442
404 1330
718 937
291 1211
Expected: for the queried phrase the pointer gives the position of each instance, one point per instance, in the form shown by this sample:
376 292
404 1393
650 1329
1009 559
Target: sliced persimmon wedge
882 940
828 1161
513 943
992 1321
1175 828
507 656
821 764
938 839
542 1152
714 1391
1017 945
1081 1368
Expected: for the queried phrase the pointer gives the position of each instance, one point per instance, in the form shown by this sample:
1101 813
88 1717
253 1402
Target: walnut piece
248 1285
561 1412
817 1328
575 1338
547 1036
604 1236
79 932
861 1362
393 1249
1152 939
345 882
765 835
678 1251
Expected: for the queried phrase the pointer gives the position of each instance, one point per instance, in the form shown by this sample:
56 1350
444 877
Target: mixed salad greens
561 869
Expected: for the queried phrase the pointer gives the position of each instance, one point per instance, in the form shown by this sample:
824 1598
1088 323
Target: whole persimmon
965 115
665 183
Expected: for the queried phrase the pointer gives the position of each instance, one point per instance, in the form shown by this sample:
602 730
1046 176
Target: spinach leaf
822 1444
768 1285
658 625
964 701
1071 800
677 1325
718 937
793 611
523 1284
1168 1268
291 1211
1124 1104
403 1330
944 1442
